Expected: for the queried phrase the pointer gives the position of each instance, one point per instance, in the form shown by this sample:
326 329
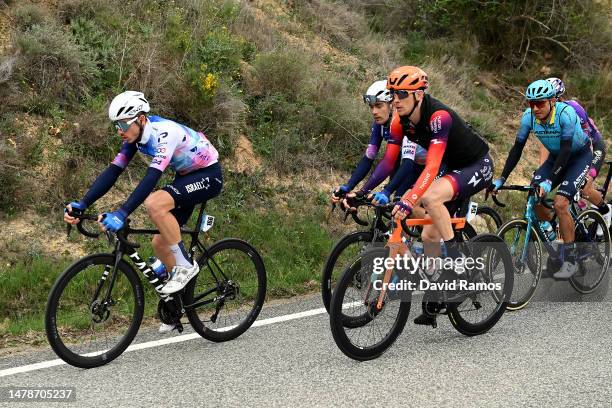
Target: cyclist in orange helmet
450 142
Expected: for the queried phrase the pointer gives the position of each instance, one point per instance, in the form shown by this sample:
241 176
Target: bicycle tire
455 316
332 259
574 282
339 329
225 334
53 334
492 214
519 301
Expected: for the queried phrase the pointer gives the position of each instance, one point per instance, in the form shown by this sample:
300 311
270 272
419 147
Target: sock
569 255
181 257
451 248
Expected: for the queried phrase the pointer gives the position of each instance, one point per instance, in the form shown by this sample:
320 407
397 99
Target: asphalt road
549 354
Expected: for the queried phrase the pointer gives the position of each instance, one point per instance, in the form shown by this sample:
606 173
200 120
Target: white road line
162 342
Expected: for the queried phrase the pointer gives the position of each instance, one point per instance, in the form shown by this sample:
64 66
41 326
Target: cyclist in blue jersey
599 147
398 150
198 179
557 127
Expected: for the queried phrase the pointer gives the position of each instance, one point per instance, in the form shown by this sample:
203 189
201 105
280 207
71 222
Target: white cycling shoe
567 270
179 278
166 328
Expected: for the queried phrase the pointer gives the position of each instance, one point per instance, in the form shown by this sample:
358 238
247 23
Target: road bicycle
378 316
528 242
96 305
379 224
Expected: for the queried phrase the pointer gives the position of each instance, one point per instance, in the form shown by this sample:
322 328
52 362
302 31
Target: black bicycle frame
123 246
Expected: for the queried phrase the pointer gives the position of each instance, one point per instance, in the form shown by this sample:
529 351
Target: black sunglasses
400 94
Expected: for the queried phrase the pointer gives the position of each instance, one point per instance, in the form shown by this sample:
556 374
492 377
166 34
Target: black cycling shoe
425 319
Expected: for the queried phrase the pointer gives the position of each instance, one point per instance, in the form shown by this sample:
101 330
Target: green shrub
105 11
10 174
28 15
508 32
219 51
280 72
101 46
52 64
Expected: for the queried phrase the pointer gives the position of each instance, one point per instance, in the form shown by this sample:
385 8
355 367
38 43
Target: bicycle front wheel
528 269
592 251
93 314
354 298
225 298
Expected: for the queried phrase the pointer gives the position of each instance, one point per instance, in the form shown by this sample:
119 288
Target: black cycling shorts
469 180
575 173
194 188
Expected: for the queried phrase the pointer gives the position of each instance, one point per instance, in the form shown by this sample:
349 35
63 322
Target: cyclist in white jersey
198 179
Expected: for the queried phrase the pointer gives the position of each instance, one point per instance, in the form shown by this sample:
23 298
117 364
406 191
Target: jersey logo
436 124
163 135
474 181
436 141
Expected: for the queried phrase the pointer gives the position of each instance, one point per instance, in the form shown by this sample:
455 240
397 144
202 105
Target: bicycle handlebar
358 201
94 217
529 188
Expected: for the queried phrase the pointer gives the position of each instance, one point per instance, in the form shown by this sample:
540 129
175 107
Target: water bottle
548 230
158 267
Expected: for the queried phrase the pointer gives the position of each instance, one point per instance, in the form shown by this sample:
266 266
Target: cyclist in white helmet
198 179
412 157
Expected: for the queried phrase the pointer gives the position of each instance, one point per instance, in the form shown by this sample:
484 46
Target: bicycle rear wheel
377 329
527 272
232 282
476 310
86 328
592 251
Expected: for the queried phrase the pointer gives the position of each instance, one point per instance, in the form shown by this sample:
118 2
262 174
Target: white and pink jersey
170 143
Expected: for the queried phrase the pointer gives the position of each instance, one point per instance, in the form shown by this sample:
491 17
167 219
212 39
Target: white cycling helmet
377 92
126 105
558 85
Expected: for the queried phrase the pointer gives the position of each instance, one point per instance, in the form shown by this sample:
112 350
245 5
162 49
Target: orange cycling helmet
407 78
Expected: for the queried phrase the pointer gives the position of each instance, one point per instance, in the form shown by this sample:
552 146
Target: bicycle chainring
167 314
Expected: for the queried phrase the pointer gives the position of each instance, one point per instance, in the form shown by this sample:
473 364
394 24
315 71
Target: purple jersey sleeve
376 138
125 155
387 163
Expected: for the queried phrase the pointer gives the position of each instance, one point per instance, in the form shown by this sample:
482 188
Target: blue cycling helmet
540 89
